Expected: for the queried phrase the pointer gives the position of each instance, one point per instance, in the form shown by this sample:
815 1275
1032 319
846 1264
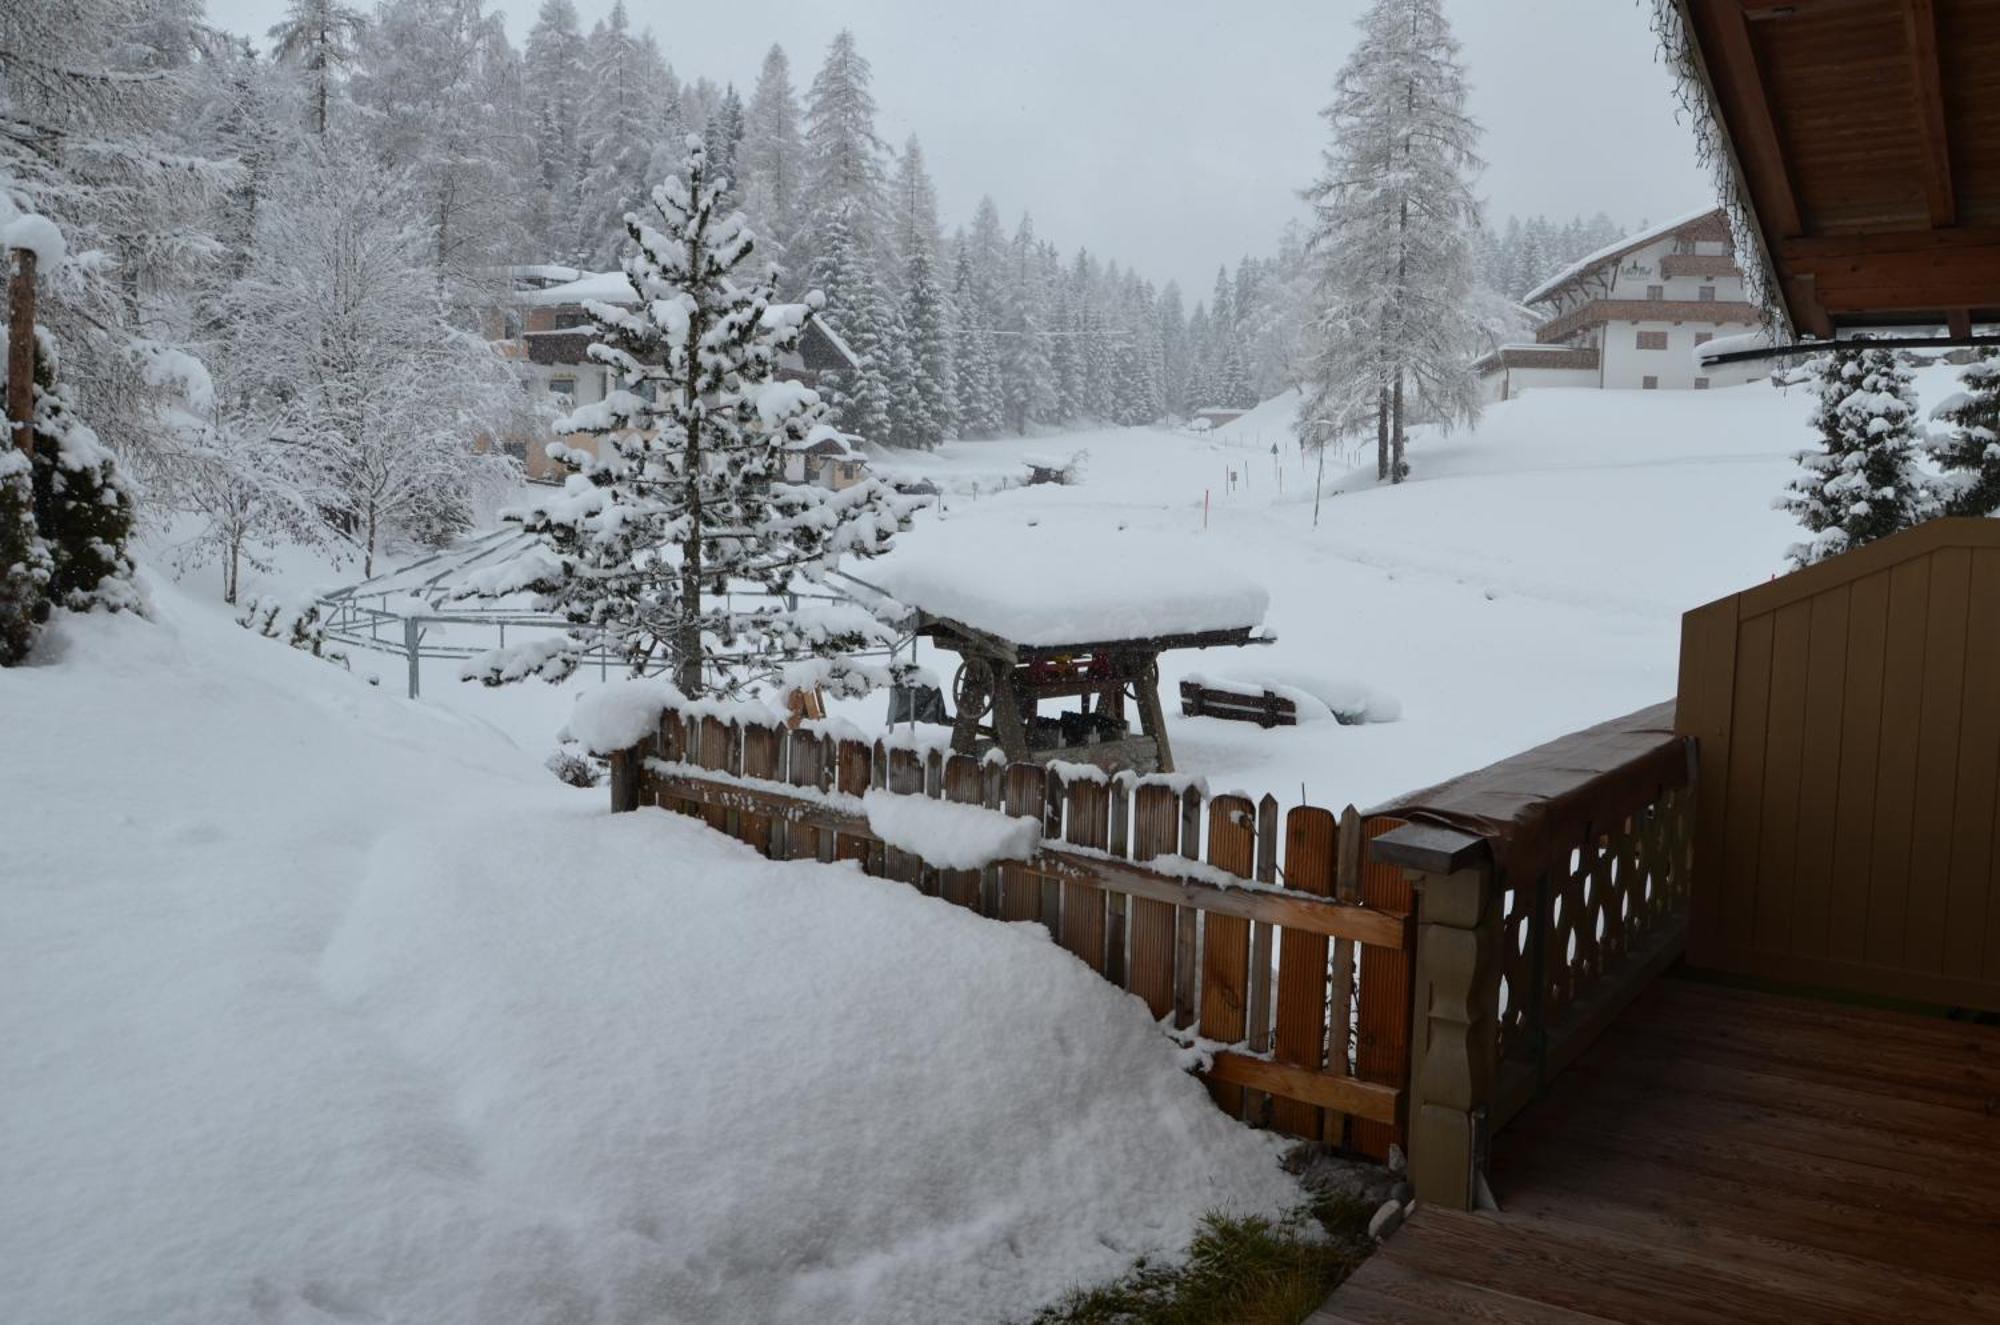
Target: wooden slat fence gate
1849 721
1283 956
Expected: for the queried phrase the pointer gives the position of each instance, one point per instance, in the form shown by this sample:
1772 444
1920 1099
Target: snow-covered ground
1527 581
322 1005
327 1005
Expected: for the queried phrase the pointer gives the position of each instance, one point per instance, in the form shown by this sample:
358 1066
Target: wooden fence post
1454 1030
21 349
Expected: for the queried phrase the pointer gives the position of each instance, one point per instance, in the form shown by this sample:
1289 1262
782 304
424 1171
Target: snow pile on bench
1037 585
1314 698
948 835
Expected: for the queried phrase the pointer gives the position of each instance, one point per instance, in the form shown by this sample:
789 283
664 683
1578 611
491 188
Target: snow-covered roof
1613 251
607 287
614 287
1081 584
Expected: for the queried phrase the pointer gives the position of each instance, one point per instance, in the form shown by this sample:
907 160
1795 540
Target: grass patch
1246 1271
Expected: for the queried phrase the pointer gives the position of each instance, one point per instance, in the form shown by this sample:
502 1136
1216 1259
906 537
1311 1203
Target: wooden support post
21 350
1454 1041
625 767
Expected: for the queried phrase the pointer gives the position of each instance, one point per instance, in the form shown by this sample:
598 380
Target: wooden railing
1646 310
1289 970
1554 886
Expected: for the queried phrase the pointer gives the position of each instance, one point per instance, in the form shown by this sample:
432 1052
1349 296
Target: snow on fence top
1045 587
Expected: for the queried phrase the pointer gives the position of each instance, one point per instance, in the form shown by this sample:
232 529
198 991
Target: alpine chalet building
1628 317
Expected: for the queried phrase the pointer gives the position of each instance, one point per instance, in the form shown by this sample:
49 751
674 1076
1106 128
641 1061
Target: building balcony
1599 311
1709 265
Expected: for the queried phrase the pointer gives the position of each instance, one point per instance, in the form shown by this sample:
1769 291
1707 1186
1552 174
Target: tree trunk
229 571
1398 469
368 554
1381 433
687 634
21 350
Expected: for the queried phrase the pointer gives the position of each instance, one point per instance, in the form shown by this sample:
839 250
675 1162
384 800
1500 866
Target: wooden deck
1727 1156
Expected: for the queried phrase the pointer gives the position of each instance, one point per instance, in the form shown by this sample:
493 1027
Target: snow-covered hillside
1528 580
324 1005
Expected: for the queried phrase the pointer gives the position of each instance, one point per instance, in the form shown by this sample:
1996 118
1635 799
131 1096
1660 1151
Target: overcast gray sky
1174 134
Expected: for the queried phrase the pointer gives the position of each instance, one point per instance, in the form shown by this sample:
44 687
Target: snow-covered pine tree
1175 364
772 158
1863 482
843 152
1026 386
858 308
976 362
1065 369
442 92
724 136
1967 446
554 84
1393 210
1200 352
86 510
320 37
24 558
913 211
687 497
928 416
618 135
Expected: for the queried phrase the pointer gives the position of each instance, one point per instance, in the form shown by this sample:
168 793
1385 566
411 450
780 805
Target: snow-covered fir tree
1026 381
930 413
724 136
1863 481
1966 444
686 498
843 152
976 361
619 132
321 37
555 83
82 507
913 208
24 559
1393 215
1175 364
773 160
858 307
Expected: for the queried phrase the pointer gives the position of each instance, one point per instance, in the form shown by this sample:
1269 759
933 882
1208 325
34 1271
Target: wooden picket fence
1293 967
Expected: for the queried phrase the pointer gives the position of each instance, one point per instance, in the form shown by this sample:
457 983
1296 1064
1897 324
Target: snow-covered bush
572 765
298 621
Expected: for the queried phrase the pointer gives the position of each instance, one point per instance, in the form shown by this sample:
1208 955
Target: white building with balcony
1628 317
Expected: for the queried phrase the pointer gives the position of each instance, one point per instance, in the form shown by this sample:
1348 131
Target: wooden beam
1920 21
1361 1099
21 350
1756 136
1958 321
1802 299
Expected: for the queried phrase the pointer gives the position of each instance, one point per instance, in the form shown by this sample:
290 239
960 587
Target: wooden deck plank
1727 1156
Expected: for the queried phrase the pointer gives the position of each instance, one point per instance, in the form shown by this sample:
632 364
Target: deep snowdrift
322 1005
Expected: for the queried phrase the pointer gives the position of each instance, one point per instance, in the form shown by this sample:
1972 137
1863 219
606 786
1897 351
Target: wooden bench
1266 710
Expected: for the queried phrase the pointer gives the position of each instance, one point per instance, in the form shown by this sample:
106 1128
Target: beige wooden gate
1848 719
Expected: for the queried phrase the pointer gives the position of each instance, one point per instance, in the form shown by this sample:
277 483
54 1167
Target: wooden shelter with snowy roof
1053 620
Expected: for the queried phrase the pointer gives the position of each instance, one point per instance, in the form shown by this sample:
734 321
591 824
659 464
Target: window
1701 384
563 386
1656 292
1703 337
1652 340
1706 294
1649 384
